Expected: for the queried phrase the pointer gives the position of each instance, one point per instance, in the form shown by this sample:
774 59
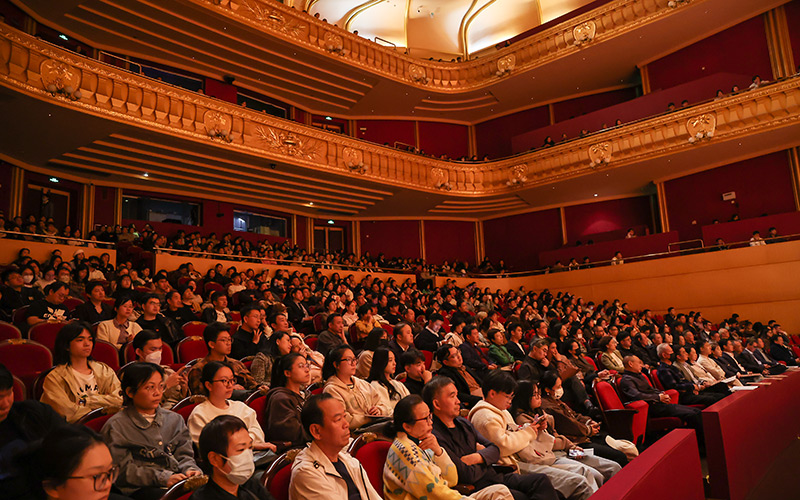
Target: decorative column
562 216
779 43
422 239
662 206
17 192
794 165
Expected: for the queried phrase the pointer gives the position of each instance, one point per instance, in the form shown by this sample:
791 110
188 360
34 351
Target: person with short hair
323 470
226 455
95 309
217 337
531 443
412 362
402 340
78 384
119 330
176 310
467 381
218 312
497 350
249 339
430 339
148 346
366 322
417 467
471 453
51 307
671 377
333 336
152 319
151 445
14 294
471 351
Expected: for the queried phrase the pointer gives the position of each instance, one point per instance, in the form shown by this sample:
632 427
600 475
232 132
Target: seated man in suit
471 352
471 453
758 362
466 380
430 339
672 378
723 355
633 386
514 346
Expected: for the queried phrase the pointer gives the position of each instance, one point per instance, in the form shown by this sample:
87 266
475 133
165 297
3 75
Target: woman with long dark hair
279 344
360 401
78 384
285 399
384 365
376 338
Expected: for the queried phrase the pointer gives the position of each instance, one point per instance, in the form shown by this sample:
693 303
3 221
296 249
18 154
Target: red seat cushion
373 457
279 486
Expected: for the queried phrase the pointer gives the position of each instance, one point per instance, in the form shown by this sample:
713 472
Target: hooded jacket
514 443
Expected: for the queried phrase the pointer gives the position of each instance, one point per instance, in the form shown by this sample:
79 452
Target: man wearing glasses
217 337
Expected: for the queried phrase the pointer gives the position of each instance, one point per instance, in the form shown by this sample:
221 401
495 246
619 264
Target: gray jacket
148 453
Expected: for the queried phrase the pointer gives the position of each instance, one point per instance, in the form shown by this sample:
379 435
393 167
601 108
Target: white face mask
153 357
242 467
558 393
27 279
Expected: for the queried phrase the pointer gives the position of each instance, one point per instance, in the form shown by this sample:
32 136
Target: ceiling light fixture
63 37
54 179
328 118
145 174
330 221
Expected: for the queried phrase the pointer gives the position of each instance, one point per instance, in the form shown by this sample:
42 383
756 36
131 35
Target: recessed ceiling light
53 179
330 221
145 174
63 37
595 195
310 203
328 118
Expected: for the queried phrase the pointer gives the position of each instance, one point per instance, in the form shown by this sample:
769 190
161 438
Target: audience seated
529 444
78 384
416 375
217 337
686 362
705 350
612 359
402 341
148 346
383 368
250 339
430 339
95 309
471 453
119 329
277 345
51 307
14 294
417 467
333 336
152 319
362 403
285 400
226 455
466 381
323 469
151 445
471 352
219 311
750 359
176 310
780 352
671 377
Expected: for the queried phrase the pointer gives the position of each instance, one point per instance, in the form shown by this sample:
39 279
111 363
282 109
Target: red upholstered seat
212 287
318 323
71 303
193 329
45 333
311 342
19 315
185 406
106 353
389 330
191 348
25 359
38 384
9 331
98 417
590 361
257 403
428 359
371 452
276 478
19 389
183 490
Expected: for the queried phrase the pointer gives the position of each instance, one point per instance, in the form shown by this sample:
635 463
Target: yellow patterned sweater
412 473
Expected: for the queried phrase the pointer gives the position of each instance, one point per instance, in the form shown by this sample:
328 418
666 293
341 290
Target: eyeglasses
348 360
225 381
226 340
153 388
429 418
102 480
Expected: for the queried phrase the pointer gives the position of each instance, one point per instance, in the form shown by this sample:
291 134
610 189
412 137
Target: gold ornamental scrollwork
584 32
332 42
517 175
273 18
354 160
218 125
290 144
60 78
701 127
506 64
418 74
600 153
439 178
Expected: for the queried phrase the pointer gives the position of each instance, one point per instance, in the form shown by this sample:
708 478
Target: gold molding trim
610 20
779 42
114 94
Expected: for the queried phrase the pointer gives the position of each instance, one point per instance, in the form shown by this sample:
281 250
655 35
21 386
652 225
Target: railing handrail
394 45
669 245
66 238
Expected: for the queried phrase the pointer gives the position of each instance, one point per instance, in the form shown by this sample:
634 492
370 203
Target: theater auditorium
401 250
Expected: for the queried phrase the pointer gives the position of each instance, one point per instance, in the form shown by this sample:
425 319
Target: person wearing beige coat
61 387
361 402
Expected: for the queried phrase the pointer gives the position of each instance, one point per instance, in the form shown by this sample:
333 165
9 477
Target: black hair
216 295
171 293
121 300
410 357
331 317
209 370
58 455
143 337
443 353
215 436
404 412
548 380
377 371
374 339
364 309
433 388
522 399
499 381
435 317
492 334
134 376
398 329
92 285
602 344
212 331
333 357
312 413
6 378
147 297
272 343
65 336
279 368
54 287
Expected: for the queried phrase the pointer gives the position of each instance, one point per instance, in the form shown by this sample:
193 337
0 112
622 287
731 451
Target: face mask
27 279
154 357
242 467
559 392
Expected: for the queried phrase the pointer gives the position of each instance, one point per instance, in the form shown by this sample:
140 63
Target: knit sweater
411 473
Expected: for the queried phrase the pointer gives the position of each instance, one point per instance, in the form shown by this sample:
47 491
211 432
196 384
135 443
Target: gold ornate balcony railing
610 20
46 72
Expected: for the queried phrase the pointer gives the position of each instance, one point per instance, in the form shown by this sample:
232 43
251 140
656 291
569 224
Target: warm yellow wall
9 250
759 283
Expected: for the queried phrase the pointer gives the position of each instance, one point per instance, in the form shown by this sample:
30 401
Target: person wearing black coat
467 381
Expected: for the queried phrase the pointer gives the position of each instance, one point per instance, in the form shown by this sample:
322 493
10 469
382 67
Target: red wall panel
607 216
739 49
571 108
104 205
386 131
793 20
449 240
395 238
763 185
518 239
5 189
443 139
220 90
493 137
299 115
301 236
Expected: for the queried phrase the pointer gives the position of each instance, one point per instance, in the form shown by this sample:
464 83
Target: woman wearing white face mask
226 455
148 346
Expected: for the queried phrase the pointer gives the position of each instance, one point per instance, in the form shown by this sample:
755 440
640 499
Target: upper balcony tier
287 54
82 119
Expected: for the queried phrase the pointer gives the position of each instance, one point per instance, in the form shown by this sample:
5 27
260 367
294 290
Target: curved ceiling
444 29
